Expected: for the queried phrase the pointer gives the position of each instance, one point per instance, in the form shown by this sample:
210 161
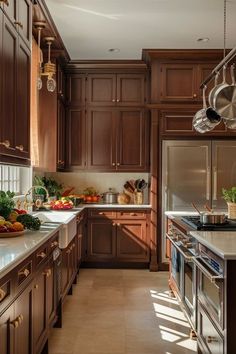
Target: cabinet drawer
41 255
108 214
131 214
24 272
53 243
208 334
6 290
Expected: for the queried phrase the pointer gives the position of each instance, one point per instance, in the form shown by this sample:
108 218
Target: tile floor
121 312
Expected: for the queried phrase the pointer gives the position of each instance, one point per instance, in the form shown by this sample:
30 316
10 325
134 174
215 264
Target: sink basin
68 221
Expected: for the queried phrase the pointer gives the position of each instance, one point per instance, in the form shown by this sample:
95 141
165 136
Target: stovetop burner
194 222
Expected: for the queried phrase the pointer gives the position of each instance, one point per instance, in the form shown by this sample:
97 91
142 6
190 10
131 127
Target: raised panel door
101 139
61 135
132 140
76 143
75 90
132 240
9 93
23 334
178 82
131 89
25 20
203 70
22 123
101 89
6 331
101 240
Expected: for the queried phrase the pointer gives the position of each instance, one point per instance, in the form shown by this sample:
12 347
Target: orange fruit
17 226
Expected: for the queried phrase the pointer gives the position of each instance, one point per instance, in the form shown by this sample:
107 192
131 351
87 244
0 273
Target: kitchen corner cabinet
109 134
115 237
116 89
181 81
15 88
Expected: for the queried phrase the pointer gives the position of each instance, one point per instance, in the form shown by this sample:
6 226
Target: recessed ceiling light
114 50
203 39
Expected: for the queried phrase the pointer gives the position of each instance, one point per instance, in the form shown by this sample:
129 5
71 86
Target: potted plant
229 196
54 188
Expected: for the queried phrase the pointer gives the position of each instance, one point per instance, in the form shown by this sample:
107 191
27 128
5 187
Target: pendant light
39 25
49 68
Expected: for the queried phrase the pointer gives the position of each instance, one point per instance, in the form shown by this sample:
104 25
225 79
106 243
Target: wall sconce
47 69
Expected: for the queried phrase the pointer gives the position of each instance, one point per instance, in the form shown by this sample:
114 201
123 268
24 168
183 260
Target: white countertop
116 206
15 249
180 213
222 243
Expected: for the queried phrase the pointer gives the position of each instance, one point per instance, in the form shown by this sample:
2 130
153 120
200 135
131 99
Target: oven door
189 289
176 265
210 291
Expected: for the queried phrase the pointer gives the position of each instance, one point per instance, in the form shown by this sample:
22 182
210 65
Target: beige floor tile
121 312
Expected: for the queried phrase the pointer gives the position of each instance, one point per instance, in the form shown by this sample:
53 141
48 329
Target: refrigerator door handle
208 184
214 183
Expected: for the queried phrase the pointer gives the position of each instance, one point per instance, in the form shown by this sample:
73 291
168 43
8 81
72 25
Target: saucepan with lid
211 217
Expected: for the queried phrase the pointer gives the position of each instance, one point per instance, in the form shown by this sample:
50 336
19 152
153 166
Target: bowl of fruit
62 204
16 223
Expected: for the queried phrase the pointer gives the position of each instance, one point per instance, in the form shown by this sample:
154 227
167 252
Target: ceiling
89 28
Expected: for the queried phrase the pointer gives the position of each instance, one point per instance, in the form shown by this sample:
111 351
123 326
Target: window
15 179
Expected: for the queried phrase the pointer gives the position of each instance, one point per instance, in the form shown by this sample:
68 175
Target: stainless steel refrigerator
196 171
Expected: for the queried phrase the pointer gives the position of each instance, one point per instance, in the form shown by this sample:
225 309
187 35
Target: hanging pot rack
218 67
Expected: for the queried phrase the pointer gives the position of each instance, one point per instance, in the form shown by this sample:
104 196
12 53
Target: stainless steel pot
110 197
226 100
219 90
213 218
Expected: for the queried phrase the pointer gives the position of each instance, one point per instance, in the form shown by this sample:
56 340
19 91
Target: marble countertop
116 206
14 250
223 243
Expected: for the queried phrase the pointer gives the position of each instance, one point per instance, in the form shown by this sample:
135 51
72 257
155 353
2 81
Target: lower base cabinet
69 266
6 331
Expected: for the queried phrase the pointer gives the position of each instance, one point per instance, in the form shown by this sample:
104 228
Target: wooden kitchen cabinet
15 105
76 138
6 331
116 89
109 135
181 81
75 90
69 266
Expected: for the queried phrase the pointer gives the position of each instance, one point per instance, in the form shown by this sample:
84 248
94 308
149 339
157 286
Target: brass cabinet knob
6 144
118 164
24 272
118 224
54 243
48 273
2 294
211 339
20 319
113 100
18 24
101 213
15 323
194 95
36 286
113 224
41 255
113 164
118 100
20 147
73 246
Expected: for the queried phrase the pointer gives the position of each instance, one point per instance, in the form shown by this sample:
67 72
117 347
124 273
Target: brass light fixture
47 69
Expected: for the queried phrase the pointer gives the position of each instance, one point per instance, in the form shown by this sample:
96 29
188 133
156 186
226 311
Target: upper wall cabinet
15 98
181 82
116 89
19 13
75 90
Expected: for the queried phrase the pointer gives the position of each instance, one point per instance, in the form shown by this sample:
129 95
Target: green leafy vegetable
6 203
229 195
30 222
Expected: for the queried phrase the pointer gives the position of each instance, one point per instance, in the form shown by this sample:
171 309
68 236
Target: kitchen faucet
38 202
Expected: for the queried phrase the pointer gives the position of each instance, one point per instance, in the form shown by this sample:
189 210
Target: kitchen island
202 276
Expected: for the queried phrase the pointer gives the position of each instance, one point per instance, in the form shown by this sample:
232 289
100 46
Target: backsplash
100 181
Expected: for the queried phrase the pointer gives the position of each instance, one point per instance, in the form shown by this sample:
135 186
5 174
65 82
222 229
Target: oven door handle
186 256
212 278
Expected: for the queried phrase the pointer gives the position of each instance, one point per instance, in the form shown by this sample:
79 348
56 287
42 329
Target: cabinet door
75 90
76 142
39 310
22 122
23 334
132 140
132 241
25 20
178 82
101 240
101 139
61 135
6 331
101 90
131 90
60 83
9 93
50 292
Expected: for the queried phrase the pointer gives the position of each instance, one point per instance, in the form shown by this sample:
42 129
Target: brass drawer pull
36 286
101 213
54 243
194 95
24 272
48 273
211 339
132 214
18 24
6 144
2 294
15 323
20 319
20 147
41 255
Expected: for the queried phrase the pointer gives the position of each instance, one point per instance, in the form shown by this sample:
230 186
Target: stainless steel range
194 222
